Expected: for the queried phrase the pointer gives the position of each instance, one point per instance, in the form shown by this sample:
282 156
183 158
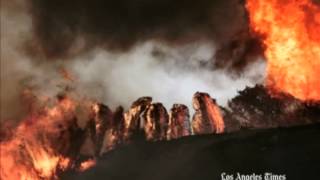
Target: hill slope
292 151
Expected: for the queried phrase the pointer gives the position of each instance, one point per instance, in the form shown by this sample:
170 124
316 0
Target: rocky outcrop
156 121
119 124
253 108
207 118
132 118
179 122
103 126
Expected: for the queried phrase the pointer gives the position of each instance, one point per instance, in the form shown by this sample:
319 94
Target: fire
58 132
32 152
44 162
292 40
87 165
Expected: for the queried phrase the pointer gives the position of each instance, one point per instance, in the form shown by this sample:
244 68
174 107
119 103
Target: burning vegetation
65 133
69 132
290 31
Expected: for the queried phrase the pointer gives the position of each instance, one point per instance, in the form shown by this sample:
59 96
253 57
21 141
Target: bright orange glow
87 164
44 162
291 31
30 153
64 163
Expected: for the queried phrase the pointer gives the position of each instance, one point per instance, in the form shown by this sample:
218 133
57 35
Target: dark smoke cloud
236 54
121 50
65 28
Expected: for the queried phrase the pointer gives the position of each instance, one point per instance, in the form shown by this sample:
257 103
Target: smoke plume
118 25
117 51
169 75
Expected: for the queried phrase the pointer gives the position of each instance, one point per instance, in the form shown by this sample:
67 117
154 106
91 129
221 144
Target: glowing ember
292 39
87 164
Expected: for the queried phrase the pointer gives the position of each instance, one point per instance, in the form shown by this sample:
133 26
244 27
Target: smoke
118 51
14 66
118 25
168 74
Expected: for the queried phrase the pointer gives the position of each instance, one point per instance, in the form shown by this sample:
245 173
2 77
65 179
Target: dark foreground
294 152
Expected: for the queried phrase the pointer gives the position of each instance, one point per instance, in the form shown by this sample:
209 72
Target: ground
293 151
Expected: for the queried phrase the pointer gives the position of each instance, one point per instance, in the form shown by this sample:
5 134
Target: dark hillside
292 151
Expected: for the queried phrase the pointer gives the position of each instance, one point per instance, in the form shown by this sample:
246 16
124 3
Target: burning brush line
66 134
51 139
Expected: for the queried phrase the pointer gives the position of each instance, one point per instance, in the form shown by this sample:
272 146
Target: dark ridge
291 151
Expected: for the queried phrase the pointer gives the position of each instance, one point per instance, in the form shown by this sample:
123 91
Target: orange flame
292 39
29 154
87 164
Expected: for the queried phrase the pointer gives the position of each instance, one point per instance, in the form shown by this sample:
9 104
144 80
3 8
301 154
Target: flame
41 146
87 165
44 162
292 39
30 153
